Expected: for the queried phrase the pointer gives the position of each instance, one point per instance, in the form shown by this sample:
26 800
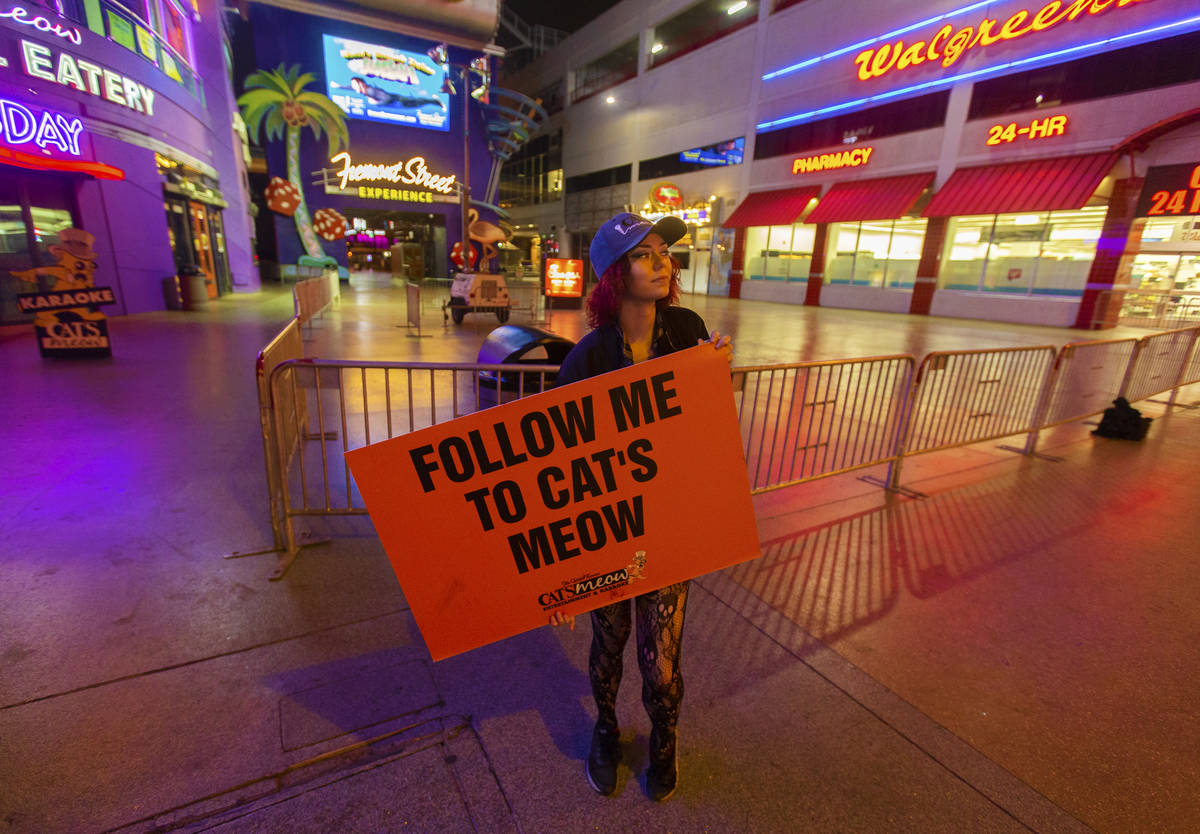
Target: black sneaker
663 772
603 758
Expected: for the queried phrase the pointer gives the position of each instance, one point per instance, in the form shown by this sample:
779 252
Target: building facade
118 119
1007 160
407 137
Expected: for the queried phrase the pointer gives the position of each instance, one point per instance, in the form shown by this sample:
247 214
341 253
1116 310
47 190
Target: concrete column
928 266
737 263
816 270
1108 277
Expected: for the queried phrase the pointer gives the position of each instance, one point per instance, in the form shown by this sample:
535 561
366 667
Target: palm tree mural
278 98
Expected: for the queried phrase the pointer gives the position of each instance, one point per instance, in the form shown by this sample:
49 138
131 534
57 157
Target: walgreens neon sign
1162 30
948 45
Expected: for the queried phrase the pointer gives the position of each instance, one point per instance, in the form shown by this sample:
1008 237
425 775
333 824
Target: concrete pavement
1013 652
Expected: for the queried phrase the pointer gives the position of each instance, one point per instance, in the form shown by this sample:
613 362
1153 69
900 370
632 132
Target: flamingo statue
485 233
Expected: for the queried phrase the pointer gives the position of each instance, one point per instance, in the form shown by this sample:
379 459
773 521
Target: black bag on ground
1123 421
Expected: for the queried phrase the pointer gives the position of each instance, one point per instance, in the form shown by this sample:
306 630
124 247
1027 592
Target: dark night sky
567 15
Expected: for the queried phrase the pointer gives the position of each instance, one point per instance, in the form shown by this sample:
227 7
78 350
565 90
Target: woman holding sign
633 317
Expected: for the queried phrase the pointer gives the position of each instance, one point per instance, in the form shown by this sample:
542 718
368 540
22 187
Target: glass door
202 242
219 255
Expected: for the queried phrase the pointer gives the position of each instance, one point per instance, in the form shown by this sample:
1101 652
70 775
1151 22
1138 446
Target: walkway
1015 652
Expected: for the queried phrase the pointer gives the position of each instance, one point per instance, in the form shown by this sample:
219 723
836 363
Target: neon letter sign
412 172
1037 129
21 15
826 161
949 45
21 126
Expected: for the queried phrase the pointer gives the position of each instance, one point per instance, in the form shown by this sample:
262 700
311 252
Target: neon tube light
813 61
41 163
1045 57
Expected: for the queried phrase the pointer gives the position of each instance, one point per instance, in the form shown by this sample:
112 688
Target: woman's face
649 270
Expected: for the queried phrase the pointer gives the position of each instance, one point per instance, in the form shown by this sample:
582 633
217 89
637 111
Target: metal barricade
344 405
311 296
1159 363
1160 309
971 396
528 299
1085 379
799 422
809 420
1191 370
285 347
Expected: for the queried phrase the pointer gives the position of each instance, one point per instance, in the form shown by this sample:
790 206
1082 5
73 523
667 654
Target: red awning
1062 183
885 198
772 208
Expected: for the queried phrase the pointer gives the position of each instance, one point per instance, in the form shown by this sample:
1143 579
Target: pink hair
604 301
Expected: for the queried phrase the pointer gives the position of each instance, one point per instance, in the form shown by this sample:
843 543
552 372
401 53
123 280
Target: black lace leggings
660 634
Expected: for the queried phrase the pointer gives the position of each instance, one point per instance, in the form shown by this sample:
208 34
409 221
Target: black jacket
603 349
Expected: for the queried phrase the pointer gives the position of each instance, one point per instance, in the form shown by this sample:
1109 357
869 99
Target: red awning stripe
1058 184
772 208
885 198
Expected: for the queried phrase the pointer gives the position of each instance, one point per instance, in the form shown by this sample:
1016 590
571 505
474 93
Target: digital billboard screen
386 84
722 153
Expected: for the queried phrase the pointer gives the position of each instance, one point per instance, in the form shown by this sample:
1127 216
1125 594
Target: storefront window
47 223
1068 251
698 25
174 29
779 253
1038 253
1166 272
1172 230
877 253
33 210
607 71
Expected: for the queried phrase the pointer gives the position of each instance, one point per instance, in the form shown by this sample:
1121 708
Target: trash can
517 344
192 286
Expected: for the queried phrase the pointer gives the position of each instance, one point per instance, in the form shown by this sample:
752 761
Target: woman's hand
558 618
723 344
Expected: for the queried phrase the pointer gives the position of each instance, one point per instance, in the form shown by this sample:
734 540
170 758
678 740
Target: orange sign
564 501
564 278
826 161
1037 129
948 45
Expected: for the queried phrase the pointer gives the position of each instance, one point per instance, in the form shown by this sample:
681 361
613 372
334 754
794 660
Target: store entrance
197 238
397 244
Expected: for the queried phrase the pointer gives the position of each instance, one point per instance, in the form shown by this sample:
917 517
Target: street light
481 68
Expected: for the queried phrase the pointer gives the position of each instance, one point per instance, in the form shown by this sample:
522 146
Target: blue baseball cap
621 233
